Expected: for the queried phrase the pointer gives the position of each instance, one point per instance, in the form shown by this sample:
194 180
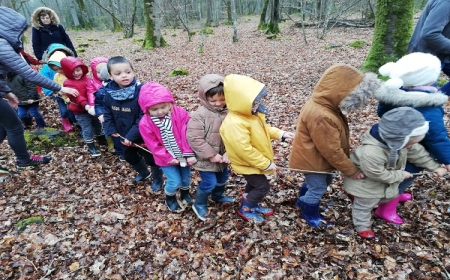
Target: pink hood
94 62
153 93
94 83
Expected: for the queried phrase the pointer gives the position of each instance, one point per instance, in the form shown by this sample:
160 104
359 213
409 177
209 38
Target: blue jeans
11 126
212 179
33 109
317 186
177 178
64 110
90 126
117 145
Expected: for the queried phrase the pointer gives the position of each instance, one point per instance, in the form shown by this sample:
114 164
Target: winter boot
157 178
92 149
403 197
185 196
40 123
27 122
66 124
200 205
366 234
33 161
101 140
217 195
248 212
388 212
172 203
142 170
259 209
310 212
110 145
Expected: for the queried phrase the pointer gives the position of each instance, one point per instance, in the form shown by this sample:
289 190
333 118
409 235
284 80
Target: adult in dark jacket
47 30
432 35
11 31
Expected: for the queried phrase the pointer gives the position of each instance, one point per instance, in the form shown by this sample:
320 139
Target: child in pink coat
163 128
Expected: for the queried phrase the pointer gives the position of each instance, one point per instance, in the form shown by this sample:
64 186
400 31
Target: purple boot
388 212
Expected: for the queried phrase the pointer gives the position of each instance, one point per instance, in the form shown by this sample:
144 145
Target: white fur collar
399 97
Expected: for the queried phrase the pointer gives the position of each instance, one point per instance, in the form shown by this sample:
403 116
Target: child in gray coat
382 157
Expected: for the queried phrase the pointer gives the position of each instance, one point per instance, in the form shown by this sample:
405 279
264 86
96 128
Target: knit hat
414 69
104 75
56 57
397 126
208 82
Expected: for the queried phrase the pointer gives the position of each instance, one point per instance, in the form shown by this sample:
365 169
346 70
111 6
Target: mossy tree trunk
393 28
262 20
117 26
229 16
208 13
273 27
151 41
85 21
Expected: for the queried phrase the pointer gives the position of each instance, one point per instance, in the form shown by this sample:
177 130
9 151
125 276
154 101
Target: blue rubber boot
263 211
157 178
310 212
172 203
185 196
217 195
248 212
142 170
200 205
301 193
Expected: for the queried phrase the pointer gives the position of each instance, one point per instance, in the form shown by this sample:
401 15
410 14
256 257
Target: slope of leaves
99 225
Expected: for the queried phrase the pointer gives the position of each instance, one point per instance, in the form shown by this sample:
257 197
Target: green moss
174 35
140 40
358 44
22 224
84 45
80 50
200 50
178 72
101 42
208 31
79 38
38 143
90 39
192 33
441 82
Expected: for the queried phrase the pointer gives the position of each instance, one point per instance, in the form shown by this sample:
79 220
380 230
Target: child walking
247 136
382 157
28 97
75 71
121 119
411 83
321 142
163 128
204 138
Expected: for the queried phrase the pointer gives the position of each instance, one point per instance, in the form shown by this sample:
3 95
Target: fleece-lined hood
240 93
206 83
344 87
94 62
12 27
53 48
153 93
398 97
36 22
68 64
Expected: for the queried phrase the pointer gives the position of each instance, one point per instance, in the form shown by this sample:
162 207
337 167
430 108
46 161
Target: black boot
142 170
185 196
27 122
217 195
172 203
92 149
40 123
101 140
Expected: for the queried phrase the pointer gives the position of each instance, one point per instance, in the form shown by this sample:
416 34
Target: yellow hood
240 92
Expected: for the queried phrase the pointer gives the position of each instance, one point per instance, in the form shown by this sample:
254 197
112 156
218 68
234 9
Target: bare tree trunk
234 16
274 18
151 41
117 24
73 12
86 23
229 13
208 12
262 20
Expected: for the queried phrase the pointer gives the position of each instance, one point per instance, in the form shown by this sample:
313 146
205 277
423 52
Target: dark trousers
11 126
257 187
133 155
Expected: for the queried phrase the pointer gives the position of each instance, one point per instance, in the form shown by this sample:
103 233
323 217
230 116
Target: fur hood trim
35 17
361 94
400 98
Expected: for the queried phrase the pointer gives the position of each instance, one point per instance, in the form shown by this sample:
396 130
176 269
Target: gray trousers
362 211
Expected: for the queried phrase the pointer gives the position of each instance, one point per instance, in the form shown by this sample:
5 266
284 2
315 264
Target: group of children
229 128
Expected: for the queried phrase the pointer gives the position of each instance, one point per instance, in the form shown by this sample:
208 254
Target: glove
91 111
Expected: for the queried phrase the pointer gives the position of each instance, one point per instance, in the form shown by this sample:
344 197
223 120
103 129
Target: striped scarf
169 141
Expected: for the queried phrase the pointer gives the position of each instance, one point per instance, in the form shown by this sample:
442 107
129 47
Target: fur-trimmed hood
35 17
400 98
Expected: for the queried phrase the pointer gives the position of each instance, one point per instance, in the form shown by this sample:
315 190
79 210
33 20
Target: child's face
413 141
160 110
77 73
217 101
99 67
122 74
57 69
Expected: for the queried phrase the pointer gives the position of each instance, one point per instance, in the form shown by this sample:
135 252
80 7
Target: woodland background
91 222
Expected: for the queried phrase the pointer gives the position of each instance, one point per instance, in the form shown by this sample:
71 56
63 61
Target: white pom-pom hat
414 69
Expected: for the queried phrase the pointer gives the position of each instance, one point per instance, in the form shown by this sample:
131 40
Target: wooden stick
306 171
136 144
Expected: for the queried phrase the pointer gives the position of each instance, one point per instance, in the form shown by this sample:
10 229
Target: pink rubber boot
66 124
388 212
404 197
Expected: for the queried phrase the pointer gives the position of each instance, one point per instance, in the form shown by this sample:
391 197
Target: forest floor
96 224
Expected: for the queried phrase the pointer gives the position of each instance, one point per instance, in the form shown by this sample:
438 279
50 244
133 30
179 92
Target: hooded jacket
203 134
151 94
23 89
246 136
372 158
76 105
46 71
430 104
95 82
12 27
321 141
121 110
42 36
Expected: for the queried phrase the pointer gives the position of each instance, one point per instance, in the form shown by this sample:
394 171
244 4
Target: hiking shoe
34 160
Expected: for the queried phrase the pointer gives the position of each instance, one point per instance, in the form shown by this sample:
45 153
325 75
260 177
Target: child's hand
127 142
288 135
87 107
101 119
191 160
441 171
114 134
358 175
91 111
225 159
407 175
174 162
216 158
30 101
272 166
447 167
